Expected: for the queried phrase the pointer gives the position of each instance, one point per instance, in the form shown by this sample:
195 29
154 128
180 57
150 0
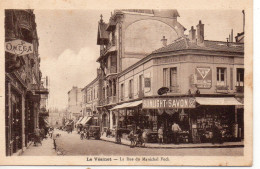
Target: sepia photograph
125 85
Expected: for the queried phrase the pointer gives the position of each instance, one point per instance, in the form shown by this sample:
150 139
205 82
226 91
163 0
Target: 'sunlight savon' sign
18 47
168 103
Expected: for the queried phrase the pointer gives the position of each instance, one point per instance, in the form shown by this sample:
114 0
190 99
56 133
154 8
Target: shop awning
78 122
120 106
222 101
85 120
134 104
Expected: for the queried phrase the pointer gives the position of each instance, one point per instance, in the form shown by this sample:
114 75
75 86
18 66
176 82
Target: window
141 77
122 91
130 88
240 77
170 78
221 77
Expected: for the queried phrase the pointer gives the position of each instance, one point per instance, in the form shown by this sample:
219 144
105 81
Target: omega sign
169 103
18 47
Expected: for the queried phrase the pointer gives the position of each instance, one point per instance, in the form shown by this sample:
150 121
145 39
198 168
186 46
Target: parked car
94 131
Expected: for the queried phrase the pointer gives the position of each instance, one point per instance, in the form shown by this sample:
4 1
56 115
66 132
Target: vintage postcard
104 83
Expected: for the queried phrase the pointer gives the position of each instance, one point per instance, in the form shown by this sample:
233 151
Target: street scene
124 82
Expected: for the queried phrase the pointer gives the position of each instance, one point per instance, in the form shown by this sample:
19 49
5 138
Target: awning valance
220 101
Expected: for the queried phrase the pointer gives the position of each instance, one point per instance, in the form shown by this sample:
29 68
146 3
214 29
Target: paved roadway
72 145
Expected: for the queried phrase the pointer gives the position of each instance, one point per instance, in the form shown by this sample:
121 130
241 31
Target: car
94 131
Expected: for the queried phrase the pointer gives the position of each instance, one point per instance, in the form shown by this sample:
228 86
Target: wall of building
137 41
186 66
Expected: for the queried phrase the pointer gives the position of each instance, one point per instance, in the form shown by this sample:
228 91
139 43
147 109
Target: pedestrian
50 132
145 136
160 135
42 133
37 134
217 136
131 137
176 129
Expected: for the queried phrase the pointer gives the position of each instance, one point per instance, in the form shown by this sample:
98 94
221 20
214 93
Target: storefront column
23 122
111 119
9 129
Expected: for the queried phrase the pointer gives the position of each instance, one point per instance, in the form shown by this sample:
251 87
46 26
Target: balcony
141 94
222 89
111 100
111 70
239 89
109 47
130 95
174 89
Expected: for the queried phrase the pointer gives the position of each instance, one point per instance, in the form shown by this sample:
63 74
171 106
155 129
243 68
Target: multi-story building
22 79
129 36
74 103
192 81
91 100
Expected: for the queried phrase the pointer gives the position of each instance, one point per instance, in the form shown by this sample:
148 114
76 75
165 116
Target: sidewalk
46 149
178 146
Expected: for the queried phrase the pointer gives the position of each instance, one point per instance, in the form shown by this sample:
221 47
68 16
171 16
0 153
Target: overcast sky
68 38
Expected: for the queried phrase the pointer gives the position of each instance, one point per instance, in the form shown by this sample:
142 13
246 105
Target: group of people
40 134
175 128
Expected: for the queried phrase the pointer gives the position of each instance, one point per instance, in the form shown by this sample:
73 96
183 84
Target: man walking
176 129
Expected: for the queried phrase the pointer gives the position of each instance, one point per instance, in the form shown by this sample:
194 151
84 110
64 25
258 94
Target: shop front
195 116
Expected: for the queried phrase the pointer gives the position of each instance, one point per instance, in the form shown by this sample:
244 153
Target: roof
184 43
102 33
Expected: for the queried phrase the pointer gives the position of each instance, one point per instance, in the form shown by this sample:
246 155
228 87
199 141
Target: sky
68 43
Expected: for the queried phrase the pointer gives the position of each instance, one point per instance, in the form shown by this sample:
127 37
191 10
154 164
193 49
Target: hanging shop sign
18 47
203 77
169 103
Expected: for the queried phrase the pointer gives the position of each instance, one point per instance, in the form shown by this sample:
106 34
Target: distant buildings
74 103
23 81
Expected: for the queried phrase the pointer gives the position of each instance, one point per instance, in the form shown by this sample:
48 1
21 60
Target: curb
183 147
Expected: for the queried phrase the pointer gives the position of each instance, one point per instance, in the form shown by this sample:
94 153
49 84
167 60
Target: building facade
192 81
122 44
22 79
74 103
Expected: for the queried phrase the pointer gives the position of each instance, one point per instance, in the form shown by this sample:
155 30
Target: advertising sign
18 47
169 103
147 82
204 77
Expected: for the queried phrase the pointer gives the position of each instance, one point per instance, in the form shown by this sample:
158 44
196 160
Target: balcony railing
222 89
141 94
240 89
130 95
111 69
174 89
108 46
111 100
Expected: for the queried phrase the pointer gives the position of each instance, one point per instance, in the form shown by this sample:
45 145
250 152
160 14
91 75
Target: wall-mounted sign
204 77
18 47
169 103
147 82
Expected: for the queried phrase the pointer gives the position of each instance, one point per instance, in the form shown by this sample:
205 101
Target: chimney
200 33
164 41
231 36
192 34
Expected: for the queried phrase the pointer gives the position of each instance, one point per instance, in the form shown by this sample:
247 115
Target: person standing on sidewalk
37 138
160 135
176 129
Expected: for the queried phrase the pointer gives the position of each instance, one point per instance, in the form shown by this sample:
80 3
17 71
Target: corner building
192 81
129 36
